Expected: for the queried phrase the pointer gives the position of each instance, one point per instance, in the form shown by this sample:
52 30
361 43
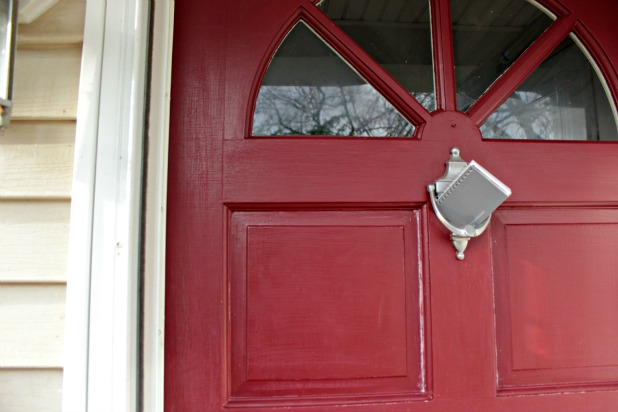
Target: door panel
326 304
311 272
556 298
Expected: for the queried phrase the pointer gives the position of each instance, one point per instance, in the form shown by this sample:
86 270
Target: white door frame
102 332
156 207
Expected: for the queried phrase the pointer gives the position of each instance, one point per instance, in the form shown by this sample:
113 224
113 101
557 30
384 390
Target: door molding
102 328
155 206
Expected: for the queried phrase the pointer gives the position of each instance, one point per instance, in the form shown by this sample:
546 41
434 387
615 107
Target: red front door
311 272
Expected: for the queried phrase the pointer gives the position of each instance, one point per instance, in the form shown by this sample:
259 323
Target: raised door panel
556 306
326 306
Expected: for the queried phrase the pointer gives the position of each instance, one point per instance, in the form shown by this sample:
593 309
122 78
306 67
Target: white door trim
101 335
156 207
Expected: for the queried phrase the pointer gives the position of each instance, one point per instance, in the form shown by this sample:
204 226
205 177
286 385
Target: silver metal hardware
8 40
464 199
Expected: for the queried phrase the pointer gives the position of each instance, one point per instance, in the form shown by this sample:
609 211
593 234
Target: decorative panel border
360 272
555 296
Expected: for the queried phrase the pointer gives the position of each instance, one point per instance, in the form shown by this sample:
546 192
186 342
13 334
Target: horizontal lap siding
17 394
61 25
36 171
46 83
33 326
39 132
36 159
33 245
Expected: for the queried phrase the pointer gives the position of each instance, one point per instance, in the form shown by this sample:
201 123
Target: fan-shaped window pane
397 34
488 36
309 90
562 100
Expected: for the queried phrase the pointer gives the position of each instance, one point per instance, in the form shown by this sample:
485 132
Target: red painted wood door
311 272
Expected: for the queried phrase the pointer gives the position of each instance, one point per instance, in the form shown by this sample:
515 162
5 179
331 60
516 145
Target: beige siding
32 319
38 132
46 83
61 25
31 171
36 158
17 394
33 245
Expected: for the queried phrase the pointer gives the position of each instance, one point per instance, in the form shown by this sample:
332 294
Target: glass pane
488 36
397 34
562 100
309 90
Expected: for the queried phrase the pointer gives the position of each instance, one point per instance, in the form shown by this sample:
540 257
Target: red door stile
195 314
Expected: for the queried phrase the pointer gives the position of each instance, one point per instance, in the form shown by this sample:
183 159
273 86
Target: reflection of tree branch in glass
309 90
562 100
328 111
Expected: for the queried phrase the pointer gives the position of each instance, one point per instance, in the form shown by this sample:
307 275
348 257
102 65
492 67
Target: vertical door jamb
102 328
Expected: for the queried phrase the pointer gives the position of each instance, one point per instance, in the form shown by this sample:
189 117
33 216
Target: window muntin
488 36
562 100
397 35
310 89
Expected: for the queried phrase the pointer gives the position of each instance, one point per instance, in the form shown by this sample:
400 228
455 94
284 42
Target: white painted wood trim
156 207
75 374
101 351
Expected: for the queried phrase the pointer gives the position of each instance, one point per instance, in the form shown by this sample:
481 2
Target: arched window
311 88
